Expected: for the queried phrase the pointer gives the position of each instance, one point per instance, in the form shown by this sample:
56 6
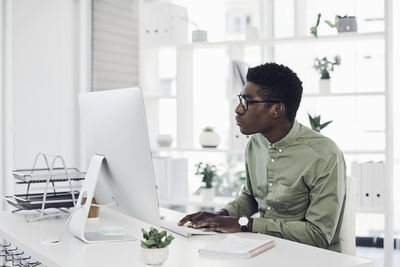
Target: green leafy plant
333 25
314 29
155 239
209 172
208 129
315 123
324 66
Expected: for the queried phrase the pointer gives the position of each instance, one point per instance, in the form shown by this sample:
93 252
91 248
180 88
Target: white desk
183 251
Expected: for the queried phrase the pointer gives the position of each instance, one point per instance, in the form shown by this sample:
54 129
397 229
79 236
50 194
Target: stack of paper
112 231
234 246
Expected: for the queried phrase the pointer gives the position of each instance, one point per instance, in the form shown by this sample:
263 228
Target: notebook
234 246
183 230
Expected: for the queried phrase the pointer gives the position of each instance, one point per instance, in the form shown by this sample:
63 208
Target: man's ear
278 110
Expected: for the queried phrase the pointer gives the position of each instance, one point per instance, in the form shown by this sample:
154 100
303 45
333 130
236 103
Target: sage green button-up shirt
297 185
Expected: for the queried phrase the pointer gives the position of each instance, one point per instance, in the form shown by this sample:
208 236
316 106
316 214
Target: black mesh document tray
34 201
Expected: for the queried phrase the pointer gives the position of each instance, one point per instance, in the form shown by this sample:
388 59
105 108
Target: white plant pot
207 194
209 139
154 255
324 86
164 140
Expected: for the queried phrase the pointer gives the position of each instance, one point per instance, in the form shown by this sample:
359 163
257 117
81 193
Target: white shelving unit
235 50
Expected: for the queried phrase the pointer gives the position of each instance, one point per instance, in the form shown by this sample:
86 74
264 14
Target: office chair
347 235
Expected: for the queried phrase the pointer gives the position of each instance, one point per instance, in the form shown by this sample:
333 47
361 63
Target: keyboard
183 230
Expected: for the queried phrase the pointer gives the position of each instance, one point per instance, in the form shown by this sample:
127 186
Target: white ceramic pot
207 194
154 255
164 140
324 86
209 139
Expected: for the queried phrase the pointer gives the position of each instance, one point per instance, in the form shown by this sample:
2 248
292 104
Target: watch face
243 220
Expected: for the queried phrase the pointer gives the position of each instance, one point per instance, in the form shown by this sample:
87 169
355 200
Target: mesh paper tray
41 175
34 201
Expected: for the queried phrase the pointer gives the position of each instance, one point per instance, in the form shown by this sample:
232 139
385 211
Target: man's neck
278 133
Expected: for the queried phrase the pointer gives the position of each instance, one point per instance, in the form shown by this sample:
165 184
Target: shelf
290 40
346 94
172 149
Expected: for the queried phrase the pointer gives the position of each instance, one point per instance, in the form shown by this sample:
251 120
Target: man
296 177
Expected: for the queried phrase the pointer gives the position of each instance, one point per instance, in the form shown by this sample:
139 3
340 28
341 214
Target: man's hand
224 224
199 216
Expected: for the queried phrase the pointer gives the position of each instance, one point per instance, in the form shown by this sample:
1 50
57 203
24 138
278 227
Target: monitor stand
80 213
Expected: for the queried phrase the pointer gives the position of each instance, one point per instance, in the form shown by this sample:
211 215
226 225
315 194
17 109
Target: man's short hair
278 83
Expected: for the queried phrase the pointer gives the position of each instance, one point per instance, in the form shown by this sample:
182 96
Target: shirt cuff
231 210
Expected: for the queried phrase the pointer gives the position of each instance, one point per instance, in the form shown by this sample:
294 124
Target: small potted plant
209 172
209 138
324 66
155 246
315 123
344 24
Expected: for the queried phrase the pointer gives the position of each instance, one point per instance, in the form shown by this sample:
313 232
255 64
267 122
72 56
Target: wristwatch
243 222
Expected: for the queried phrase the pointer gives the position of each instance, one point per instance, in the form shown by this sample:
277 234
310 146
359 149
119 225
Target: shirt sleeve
245 204
327 194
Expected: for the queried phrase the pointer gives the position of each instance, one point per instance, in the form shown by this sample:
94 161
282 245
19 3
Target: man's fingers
188 218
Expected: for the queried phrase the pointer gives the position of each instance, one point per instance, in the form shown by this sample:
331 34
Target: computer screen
113 123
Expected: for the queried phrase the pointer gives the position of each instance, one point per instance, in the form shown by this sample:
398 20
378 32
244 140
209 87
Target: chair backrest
347 234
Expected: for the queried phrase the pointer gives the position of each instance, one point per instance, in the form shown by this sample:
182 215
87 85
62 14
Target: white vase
209 139
154 255
207 194
324 86
164 140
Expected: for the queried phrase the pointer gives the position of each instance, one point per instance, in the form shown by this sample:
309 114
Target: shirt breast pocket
291 200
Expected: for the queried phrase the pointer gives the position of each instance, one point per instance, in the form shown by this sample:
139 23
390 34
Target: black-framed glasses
245 103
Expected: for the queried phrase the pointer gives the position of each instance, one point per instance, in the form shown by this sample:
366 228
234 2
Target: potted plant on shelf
324 66
344 24
209 172
315 123
155 246
209 138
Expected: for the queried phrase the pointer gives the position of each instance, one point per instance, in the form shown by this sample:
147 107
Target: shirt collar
288 139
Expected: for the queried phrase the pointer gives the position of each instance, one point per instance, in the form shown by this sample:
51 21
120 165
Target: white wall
44 80
40 82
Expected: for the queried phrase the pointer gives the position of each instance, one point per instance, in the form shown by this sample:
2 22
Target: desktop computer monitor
113 124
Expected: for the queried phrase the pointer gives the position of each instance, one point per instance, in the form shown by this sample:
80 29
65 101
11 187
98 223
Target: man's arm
322 216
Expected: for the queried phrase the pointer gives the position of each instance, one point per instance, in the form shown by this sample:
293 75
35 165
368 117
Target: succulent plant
155 239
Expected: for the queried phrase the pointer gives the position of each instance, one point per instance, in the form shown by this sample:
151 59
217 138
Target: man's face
258 117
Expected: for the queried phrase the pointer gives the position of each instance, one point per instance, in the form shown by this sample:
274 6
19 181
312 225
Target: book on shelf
239 247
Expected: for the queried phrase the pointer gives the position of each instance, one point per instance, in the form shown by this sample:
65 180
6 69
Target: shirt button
270 184
272 160
268 208
280 150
